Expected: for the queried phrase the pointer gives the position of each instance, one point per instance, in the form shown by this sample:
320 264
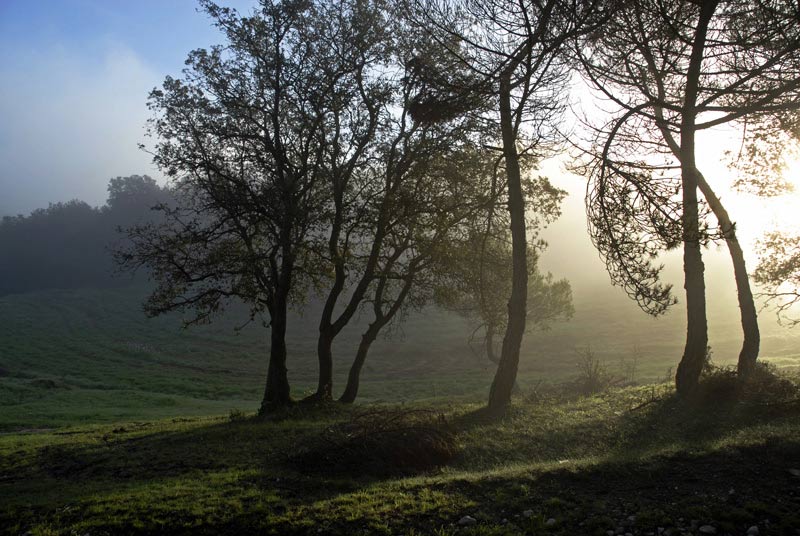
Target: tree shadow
661 449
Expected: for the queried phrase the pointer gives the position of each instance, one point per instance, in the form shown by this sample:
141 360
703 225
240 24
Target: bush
237 415
763 385
381 442
593 375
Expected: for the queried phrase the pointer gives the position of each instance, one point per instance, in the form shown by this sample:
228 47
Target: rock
550 522
610 532
794 472
707 529
752 531
631 519
467 521
504 521
660 531
527 513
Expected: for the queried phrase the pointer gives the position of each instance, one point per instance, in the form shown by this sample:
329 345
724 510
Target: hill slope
91 356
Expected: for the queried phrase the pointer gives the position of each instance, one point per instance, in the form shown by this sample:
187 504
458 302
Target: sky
74 80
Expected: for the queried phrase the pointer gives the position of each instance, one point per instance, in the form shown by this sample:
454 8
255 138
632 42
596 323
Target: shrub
763 385
236 415
382 442
593 376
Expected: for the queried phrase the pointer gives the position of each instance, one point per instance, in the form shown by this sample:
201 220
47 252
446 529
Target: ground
114 424
633 460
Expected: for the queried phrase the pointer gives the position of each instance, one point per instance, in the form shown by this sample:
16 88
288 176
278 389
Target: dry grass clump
381 442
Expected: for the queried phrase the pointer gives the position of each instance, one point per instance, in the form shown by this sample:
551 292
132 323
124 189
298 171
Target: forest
215 350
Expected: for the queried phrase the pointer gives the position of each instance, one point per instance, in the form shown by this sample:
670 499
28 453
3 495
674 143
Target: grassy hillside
68 357
635 461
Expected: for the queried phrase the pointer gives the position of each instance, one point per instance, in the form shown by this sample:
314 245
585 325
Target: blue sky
74 78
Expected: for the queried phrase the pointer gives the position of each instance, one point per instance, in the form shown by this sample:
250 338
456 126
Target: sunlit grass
553 455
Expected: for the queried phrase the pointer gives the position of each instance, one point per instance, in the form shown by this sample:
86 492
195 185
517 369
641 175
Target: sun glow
754 215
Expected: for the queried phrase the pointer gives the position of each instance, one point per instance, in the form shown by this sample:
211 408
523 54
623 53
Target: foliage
66 245
779 273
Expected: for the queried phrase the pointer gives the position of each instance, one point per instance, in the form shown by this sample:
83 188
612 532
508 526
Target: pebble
707 529
752 531
467 521
527 513
610 532
550 522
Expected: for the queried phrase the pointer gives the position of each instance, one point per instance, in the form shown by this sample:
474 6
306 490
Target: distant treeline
68 245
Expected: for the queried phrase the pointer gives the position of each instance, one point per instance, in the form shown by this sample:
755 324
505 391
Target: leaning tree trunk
353 378
747 305
277 392
369 336
506 375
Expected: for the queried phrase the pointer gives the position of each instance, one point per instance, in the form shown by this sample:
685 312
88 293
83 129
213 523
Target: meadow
69 357
111 423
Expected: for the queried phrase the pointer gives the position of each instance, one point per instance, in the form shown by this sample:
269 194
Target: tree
673 69
436 185
241 136
507 57
779 272
354 37
477 280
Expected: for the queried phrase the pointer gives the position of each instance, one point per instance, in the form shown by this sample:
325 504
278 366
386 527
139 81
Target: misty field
90 356
115 424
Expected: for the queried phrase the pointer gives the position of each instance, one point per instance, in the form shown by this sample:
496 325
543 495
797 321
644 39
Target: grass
84 356
114 424
588 463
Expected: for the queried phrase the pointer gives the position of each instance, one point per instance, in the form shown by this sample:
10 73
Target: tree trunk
277 393
325 358
506 375
353 378
747 306
694 354
489 341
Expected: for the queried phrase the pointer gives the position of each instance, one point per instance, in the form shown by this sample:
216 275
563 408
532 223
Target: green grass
111 423
89 356
588 463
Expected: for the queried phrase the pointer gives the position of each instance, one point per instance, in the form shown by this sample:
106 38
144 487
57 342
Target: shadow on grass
667 451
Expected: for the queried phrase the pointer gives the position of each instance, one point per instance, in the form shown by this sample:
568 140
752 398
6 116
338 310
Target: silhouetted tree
675 68
436 183
242 136
507 57
477 276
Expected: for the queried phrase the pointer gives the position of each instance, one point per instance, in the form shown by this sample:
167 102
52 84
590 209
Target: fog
72 114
